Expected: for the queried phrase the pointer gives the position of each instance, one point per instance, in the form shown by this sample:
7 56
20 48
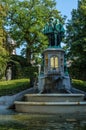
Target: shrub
13 86
29 72
79 84
20 68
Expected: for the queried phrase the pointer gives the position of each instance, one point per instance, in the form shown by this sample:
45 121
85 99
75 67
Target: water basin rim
67 103
55 95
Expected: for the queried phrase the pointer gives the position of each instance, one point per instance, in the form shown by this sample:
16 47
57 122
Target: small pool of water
11 120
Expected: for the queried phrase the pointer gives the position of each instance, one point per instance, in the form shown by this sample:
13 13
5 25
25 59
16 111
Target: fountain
54 87
54 78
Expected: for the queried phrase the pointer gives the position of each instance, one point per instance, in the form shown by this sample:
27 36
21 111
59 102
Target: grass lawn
13 86
79 84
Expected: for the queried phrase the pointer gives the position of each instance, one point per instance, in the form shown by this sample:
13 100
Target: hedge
79 84
13 86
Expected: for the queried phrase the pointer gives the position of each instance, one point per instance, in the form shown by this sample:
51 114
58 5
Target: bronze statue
55 32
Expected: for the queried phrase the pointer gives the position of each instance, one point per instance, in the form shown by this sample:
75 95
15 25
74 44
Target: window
46 59
54 62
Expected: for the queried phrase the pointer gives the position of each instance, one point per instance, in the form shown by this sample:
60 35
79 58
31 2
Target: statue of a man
49 30
58 32
9 74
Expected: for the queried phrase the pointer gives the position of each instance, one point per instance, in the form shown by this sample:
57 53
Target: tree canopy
3 52
25 21
76 40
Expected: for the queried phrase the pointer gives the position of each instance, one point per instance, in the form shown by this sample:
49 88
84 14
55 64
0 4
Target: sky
65 7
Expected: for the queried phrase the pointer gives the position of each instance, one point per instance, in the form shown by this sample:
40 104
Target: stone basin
52 103
54 97
51 107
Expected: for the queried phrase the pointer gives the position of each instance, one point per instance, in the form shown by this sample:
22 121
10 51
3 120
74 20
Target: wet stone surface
11 120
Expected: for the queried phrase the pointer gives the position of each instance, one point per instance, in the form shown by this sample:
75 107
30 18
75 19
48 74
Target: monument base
54 84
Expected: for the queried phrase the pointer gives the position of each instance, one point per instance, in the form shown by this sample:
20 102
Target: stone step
54 97
51 107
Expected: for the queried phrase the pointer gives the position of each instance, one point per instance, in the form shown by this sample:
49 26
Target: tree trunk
28 56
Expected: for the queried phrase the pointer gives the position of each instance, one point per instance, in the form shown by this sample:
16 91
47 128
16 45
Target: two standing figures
55 32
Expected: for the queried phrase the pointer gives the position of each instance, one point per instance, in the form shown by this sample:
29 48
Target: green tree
76 41
3 52
26 20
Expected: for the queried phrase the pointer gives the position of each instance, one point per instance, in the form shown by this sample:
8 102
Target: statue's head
57 21
51 19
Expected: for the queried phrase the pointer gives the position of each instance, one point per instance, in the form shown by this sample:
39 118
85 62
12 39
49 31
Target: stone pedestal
54 61
54 79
